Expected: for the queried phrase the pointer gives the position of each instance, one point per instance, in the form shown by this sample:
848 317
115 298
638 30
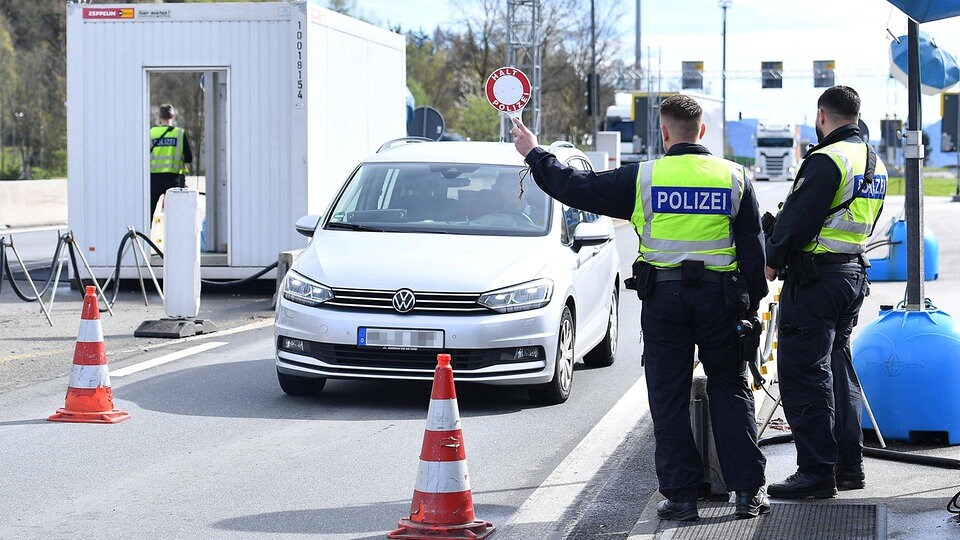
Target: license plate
390 338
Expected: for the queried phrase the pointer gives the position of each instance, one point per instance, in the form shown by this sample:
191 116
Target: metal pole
33 287
146 260
136 258
956 146
594 86
637 49
724 4
913 153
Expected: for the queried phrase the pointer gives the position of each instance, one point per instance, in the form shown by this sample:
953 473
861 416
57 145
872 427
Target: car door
592 277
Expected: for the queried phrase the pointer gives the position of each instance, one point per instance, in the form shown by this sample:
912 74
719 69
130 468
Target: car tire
293 385
558 390
605 353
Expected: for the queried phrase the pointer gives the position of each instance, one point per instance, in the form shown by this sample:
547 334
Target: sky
854 33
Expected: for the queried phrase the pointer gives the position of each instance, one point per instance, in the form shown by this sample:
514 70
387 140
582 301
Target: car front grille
348 357
427 302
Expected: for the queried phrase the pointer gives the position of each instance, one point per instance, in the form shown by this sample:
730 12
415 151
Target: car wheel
605 353
558 390
293 385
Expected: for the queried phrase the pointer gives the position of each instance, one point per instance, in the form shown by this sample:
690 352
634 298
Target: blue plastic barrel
893 267
909 367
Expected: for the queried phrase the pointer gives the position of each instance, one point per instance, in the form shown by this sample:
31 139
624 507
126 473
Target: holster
642 279
691 272
736 294
802 268
749 345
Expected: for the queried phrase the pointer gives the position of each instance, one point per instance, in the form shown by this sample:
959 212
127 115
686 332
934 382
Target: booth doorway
200 97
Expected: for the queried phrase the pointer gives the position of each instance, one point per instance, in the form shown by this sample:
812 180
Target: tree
478 121
8 75
428 67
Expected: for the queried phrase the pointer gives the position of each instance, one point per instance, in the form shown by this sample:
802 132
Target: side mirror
307 224
591 234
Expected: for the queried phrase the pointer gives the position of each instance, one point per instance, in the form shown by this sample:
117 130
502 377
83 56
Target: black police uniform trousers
820 390
674 318
159 184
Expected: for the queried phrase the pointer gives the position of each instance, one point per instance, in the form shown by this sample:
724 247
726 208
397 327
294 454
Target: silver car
445 247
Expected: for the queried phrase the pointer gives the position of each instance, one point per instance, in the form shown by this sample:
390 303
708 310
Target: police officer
816 244
699 270
169 154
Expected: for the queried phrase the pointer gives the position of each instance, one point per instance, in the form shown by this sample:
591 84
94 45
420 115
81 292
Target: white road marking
136 368
559 491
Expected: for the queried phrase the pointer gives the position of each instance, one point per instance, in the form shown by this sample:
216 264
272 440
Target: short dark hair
167 111
684 114
840 102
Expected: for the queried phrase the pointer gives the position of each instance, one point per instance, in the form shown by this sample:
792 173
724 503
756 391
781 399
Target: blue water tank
894 266
909 367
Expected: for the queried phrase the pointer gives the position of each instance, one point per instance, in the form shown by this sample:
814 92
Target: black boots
678 511
804 485
852 478
751 504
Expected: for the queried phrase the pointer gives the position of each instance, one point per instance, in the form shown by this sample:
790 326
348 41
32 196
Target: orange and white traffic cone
89 396
442 506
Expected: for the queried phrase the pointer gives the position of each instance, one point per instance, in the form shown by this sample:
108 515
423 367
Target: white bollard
181 257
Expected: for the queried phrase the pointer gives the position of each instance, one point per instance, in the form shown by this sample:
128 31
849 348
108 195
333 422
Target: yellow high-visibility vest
685 210
847 230
167 153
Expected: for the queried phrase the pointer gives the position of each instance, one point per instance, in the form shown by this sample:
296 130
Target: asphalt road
214 449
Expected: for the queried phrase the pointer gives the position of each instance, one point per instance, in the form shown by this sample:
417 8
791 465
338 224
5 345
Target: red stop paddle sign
508 90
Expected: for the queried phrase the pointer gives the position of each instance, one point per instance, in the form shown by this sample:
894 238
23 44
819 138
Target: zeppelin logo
875 190
680 200
107 13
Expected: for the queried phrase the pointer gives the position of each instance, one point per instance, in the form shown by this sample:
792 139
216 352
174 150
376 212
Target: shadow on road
333 520
250 390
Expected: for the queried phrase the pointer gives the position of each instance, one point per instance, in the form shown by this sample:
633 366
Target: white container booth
284 99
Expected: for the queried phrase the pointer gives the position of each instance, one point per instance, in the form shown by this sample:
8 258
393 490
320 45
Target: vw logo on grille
404 300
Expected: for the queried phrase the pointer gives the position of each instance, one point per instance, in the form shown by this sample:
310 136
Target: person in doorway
816 244
699 271
169 155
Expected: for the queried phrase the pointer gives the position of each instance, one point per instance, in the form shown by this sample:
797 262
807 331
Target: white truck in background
778 152
636 116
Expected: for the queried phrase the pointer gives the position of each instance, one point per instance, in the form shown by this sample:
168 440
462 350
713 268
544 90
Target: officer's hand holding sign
523 139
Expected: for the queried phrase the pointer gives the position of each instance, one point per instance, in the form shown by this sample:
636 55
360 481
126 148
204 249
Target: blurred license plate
400 339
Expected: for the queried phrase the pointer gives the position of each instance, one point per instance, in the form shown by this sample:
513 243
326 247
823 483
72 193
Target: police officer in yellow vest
169 154
699 271
816 246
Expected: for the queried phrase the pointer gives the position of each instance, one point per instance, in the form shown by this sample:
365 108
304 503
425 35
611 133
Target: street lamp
724 4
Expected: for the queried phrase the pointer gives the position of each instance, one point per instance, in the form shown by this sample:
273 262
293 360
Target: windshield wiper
353 227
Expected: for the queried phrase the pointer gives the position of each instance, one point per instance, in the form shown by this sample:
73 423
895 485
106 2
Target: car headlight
526 296
301 290
757 169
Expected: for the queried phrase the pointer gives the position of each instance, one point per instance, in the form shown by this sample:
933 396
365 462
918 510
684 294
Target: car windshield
451 198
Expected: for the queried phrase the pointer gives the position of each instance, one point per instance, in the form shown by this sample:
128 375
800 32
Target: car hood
424 262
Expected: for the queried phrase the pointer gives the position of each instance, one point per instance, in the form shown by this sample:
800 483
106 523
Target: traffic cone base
110 417
409 530
89 395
